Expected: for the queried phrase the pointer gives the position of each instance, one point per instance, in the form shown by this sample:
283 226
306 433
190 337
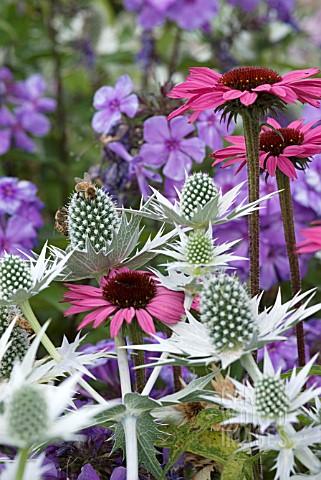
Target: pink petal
299 74
286 166
271 165
129 314
248 98
145 321
232 95
116 323
98 315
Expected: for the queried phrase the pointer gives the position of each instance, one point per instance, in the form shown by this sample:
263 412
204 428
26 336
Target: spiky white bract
72 361
116 253
19 340
292 445
197 254
197 342
21 279
216 211
34 469
271 400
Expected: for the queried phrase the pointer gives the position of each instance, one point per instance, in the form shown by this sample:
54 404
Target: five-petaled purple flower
166 145
112 102
211 129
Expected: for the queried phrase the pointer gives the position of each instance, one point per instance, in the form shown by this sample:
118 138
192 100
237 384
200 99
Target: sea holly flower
291 446
284 148
231 324
243 87
111 102
35 469
21 279
166 145
196 254
199 204
127 294
71 361
271 401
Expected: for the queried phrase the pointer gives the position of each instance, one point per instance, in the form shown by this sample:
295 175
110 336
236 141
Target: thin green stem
23 456
285 198
35 325
251 129
136 338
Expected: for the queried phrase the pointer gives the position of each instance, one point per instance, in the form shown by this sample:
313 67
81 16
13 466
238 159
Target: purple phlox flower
14 193
29 93
16 233
211 129
88 473
170 187
284 11
191 14
112 102
151 13
31 212
247 5
283 354
166 145
311 114
6 82
14 125
137 167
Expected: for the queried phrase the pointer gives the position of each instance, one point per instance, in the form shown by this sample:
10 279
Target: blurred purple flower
170 188
211 129
283 354
16 233
310 114
166 144
6 82
88 473
14 125
307 191
111 102
29 93
14 193
191 14
119 474
151 13
31 212
137 167
247 5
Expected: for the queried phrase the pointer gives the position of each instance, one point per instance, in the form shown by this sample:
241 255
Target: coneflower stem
251 128
36 327
136 338
129 422
285 199
23 456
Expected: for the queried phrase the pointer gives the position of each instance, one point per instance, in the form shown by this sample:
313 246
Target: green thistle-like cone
15 273
92 218
19 339
197 190
226 312
27 415
199 248
271 400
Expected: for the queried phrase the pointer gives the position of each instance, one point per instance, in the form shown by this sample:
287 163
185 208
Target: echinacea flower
206 89
126 294
312 242
282 148
271 400
231 324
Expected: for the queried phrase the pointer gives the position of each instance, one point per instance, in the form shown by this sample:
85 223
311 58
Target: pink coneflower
313 239
289 148
126 294
206 89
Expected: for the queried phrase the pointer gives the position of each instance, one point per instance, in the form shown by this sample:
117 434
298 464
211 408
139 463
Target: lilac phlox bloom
247 5
6 81
191 14
166 145
14 127
31 212
17 234
151 13
307 191
112 102
29 93
14 193
137 167
211 129
283 355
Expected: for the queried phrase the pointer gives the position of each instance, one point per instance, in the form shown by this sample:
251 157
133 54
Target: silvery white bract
292 445
193 339
34 469
271 400
22 279
116 253
5 340
216 211
197 255
72 361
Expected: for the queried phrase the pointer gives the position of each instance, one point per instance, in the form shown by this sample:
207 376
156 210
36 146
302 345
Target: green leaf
236 468
191 392
315 370
147 434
